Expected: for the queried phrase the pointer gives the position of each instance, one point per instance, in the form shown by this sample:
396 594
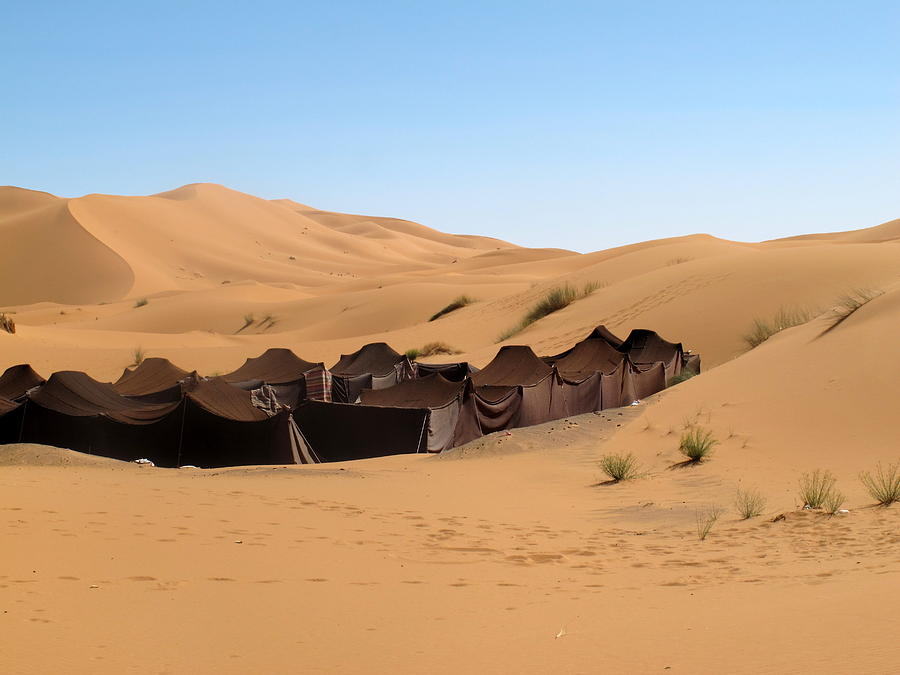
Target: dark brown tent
518 366
373 366
452 417
337 432
457 372
155 380
281 369
10 420
16 381
645 347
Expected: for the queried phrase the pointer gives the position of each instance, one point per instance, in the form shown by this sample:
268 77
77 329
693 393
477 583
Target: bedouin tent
452 417
373 366
16 381
517 366
10 420
291 378
155 380
337 432
212 425
645 347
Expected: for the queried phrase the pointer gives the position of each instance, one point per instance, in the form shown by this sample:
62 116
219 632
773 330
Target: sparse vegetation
140 302
786 317
430 349
248 321
706 517
458 303
817 488
849 303
697 444
883 484
677 261
267 322
138 356
683 376
554 300
834 500
619 467
749 503
6 323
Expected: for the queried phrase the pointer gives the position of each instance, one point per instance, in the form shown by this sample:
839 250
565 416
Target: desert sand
510 554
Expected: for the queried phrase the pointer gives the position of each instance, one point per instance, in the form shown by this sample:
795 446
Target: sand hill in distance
506 555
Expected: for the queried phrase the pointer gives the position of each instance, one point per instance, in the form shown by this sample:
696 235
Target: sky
580 125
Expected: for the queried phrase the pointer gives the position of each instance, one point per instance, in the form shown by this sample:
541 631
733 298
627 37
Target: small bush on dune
459 302
431 349
706 517
248 321
849 303
412 354
591 286
141 302
6 323
833 502
697 444
786 317
683 376
555 300
138 355
749 503
817 488
883 484
619 467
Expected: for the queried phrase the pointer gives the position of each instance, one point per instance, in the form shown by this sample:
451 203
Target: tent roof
151 376
376 358
275 366
6 406
17 380
588 357
220 398
432 391
77 394
647 346
513 365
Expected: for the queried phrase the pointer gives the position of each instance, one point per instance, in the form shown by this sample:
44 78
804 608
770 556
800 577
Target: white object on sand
144 460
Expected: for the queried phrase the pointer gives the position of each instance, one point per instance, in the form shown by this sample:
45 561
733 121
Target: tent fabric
513 365
274 366
588 357
17 380
498 408
318 384
601 333
338 432
451 371
376 358
155 380
10 420
432 391
646 346
218 397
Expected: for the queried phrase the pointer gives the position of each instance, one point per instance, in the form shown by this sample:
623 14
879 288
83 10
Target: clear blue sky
574 124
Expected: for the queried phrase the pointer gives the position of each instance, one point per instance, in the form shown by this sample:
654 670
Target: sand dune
505 555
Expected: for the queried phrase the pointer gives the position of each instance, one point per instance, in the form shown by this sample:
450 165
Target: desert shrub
683 376
677 261
6 323
883 484
555 300
248 321
697 444
849 303
619 467
786 317
138 355
458 303
834 500
141 302
749 503
412 354
706 517
509 332
430 349
816 488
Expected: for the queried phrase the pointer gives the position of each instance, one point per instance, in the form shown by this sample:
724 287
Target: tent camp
291 378
373 366
516 366
452 417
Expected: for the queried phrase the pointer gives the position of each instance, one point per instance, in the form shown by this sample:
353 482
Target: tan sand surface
506 555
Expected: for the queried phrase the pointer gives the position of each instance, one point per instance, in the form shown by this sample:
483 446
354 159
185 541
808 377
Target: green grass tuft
619 467
883 484
141 302
817 488
683 376
138 356
786 317
697 444
458 303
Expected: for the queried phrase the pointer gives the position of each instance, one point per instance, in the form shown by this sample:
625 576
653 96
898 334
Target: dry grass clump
141 302
554 300
138 356
786 317
706 517
697 444
248 321
6 323
817 489
834 500
677 261
683 376
749 503
458 303
619 467
431 349
849 303
884 484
